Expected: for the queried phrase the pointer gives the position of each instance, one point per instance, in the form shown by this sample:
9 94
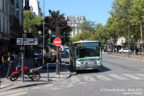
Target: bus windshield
87 49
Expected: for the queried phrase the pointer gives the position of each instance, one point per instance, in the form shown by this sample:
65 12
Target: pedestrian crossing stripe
118 77
102 77
18 94
141 75
89 78
14 92
76 79
132 76
5 85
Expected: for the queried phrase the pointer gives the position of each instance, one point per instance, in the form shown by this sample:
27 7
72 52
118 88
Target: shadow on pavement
104 69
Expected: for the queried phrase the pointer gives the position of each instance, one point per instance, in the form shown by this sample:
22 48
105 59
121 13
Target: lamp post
49 31
43 29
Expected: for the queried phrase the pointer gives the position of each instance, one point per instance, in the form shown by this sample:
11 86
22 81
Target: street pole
57 48
43 29
22 54
49 53
44 38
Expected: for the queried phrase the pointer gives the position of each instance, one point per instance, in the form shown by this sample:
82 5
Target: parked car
66 50
125 50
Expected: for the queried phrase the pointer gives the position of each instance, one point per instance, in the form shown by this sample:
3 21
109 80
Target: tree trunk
135 48
141 30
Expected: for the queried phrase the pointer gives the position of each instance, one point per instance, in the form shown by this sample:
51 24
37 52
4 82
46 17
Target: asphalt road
119 77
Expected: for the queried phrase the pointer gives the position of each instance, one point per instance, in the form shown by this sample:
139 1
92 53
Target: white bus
86 55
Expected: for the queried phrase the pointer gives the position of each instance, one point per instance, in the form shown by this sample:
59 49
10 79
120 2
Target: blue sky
94 10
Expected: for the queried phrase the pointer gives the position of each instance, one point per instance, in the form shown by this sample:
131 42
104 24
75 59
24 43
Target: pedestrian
2 67
19 59
14 55
10 60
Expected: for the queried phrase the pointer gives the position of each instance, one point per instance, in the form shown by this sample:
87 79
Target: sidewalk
125 56
6 84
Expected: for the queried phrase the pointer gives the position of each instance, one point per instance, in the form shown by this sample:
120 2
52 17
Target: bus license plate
91 62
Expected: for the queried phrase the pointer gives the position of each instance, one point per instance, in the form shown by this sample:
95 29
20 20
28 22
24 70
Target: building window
3 5
17 14
0 23
3 22
17 4
6 25
12 1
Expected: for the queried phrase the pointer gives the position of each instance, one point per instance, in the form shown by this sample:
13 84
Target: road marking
132 76
36 88
54 88
102 77
49 85
142 75
71 84
17 94
5 85
118 77
89 78
76 79
12 92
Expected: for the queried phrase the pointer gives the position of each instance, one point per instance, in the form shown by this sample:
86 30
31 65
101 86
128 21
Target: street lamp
39 32
43 51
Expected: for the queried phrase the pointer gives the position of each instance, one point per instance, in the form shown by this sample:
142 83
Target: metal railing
126 55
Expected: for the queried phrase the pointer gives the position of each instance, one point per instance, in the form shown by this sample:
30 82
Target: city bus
86 55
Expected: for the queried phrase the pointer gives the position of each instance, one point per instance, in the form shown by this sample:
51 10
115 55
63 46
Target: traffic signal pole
57 55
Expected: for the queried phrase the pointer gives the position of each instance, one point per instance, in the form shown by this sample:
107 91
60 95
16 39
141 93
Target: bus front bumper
89 67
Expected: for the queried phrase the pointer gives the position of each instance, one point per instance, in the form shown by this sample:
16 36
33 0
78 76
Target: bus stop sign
57 41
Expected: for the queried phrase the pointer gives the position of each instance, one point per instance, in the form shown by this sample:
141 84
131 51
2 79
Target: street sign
19 41
28 41
57 41
53 35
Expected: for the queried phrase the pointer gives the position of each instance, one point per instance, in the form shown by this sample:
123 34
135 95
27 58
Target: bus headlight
99 62
78 63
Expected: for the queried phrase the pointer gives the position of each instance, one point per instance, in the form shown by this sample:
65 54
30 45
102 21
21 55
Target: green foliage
127 20
56 19
91 31
84 35
87 25
31 21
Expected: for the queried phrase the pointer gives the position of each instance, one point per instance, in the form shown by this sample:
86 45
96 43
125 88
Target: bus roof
83 41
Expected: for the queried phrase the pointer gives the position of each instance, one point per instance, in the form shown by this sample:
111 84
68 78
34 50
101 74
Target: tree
137 19
87 25
56 19
30 22
119 24
84 35
98 27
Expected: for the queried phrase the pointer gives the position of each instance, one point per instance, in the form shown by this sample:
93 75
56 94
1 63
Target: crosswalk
16 92
77 80
108 77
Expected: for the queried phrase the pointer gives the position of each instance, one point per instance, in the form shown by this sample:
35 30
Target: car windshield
66 49
125 49
91 49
